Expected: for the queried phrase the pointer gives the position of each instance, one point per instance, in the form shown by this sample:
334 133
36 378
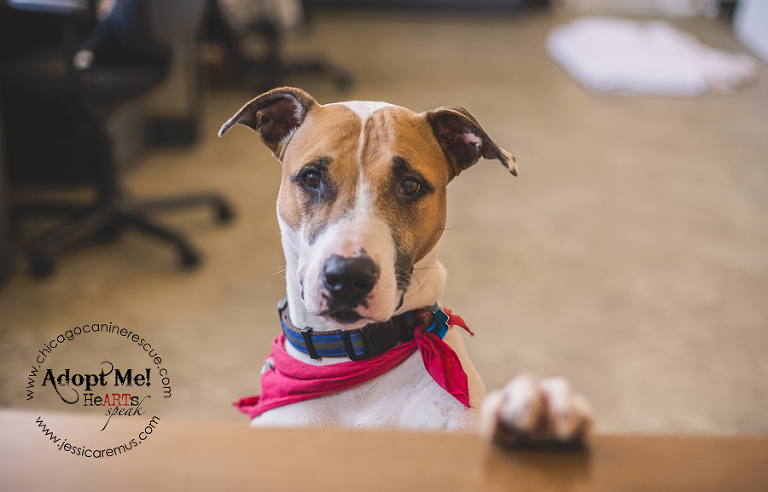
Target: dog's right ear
275 115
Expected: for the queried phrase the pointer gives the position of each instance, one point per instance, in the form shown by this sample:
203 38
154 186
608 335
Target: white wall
751 26
672 8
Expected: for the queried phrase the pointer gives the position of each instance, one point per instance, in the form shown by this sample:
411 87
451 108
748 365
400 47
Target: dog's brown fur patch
397 135
340 129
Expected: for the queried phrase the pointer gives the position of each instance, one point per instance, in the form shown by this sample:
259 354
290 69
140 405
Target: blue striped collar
369 341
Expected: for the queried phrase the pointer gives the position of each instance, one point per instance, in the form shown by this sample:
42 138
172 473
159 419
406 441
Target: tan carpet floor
631 254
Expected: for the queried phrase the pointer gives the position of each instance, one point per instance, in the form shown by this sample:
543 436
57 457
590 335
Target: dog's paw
528 411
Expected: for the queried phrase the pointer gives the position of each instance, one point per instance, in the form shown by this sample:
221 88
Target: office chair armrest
59 7
77 14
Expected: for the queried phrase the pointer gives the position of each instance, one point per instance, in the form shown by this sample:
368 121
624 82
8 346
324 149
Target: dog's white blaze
364 109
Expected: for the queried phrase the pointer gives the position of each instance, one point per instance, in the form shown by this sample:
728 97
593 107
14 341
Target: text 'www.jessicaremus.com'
68 447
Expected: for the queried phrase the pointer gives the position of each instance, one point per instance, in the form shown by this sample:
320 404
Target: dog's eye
312 178
409 186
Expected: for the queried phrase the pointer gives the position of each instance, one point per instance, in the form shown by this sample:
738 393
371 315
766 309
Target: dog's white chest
405 397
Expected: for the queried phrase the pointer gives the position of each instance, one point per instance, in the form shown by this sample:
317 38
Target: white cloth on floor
613 55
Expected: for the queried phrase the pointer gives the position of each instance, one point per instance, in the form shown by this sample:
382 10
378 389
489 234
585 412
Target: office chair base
108 222
40 266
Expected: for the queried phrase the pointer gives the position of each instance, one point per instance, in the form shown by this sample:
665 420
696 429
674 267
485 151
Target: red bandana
291 381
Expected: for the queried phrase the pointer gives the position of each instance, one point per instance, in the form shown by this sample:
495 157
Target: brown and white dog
364 190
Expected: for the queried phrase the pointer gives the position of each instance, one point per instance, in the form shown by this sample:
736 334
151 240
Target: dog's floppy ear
275 115
464 141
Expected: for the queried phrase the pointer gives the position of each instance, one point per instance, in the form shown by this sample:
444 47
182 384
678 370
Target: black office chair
56 101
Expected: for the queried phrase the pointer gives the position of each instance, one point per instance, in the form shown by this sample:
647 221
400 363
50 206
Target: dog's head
363 193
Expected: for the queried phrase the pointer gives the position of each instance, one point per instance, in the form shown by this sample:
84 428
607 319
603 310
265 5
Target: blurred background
630 255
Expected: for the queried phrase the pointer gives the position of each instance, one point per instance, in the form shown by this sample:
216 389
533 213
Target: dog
361 210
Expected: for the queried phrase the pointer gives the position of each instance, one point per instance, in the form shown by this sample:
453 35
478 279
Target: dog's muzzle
348 282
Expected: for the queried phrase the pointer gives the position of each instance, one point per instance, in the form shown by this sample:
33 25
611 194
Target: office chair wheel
224 213
188 258
110 233
40 266
15 223
342 80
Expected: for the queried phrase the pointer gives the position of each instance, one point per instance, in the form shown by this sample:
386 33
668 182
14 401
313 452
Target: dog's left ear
464 141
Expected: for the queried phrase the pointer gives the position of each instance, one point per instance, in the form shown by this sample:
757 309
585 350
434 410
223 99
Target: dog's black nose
349 280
